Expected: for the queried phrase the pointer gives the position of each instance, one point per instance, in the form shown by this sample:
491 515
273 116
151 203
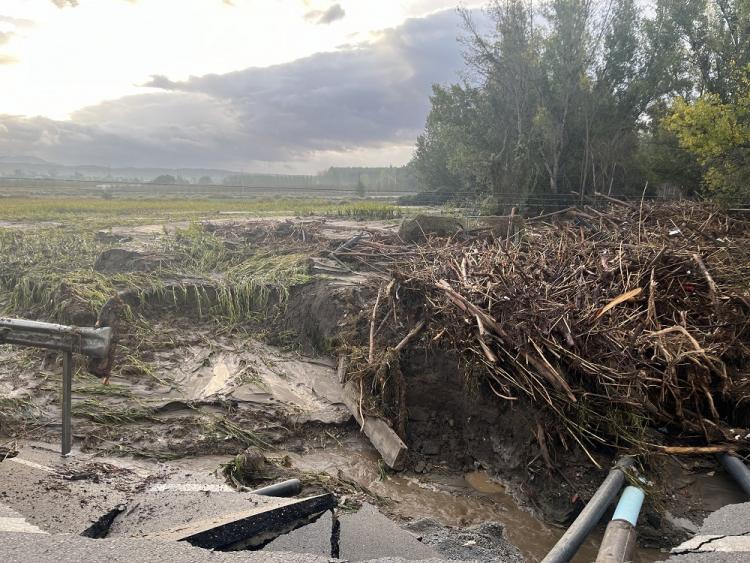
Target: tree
570 95
164 179
558 103
663 161
716 38
718 134
359 189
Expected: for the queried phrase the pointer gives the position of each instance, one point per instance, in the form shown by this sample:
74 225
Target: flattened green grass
71 209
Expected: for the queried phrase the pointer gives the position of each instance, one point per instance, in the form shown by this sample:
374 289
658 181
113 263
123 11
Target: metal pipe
67 411
93 342
567 546
738 470
619 539
284 489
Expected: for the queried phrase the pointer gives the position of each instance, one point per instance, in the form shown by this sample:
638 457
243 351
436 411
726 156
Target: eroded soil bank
229 338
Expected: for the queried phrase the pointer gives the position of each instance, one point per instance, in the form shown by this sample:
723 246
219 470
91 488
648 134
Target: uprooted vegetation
52 273
626 329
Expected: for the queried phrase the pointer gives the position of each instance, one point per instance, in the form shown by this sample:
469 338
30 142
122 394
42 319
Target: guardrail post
67 411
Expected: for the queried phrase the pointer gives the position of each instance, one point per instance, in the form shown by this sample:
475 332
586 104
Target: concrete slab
12 521
713 544
250 529
205 515
63 548
733 520
164 511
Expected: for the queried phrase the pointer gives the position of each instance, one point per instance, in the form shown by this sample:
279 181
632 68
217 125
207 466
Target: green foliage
718 134
571 94
663 161
97 211
564 83
49 274
108 415
250 286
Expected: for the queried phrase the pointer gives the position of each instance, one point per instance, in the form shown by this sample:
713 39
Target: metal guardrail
91 342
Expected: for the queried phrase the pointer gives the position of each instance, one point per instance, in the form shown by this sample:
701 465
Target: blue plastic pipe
619 538
629 506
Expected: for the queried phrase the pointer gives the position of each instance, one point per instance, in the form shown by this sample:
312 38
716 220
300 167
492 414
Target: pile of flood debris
628 327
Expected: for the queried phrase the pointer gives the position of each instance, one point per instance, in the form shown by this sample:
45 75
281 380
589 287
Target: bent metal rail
91 342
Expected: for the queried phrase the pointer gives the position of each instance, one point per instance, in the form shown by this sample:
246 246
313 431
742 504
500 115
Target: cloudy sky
261 85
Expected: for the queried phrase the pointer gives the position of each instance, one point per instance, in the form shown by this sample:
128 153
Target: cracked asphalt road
723 537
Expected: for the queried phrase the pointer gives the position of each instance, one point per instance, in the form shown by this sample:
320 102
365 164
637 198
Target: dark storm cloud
332 14
368 96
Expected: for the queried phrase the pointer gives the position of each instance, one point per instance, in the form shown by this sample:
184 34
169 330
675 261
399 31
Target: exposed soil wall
448 426
324 313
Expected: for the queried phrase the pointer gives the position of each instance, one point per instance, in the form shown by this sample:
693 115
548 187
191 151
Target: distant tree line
595 96
362 180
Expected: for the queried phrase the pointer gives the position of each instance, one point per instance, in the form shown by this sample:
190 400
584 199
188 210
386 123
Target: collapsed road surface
49 503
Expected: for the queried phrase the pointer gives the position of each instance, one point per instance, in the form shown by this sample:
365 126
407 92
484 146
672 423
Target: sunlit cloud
16 22
332 14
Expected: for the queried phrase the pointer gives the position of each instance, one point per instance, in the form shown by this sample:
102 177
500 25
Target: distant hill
369 180
22 160
15 166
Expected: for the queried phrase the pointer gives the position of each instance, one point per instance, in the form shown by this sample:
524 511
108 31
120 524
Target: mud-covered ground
229 333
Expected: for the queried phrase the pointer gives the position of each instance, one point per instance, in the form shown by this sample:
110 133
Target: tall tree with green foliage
560 90
718 134
570 95
711 121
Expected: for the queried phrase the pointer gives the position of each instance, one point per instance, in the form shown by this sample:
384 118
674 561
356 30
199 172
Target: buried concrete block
381 435
390 446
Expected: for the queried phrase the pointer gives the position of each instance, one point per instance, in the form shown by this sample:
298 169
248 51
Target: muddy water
454 500
473 498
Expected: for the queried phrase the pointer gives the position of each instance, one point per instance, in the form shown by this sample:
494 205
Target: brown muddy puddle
454 500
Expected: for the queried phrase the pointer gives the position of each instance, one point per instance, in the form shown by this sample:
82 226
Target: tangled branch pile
629 327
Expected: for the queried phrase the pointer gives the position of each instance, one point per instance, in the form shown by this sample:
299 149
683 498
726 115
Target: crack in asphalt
697 548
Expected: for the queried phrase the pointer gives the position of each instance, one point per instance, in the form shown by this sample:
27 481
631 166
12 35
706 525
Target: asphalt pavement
723 537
